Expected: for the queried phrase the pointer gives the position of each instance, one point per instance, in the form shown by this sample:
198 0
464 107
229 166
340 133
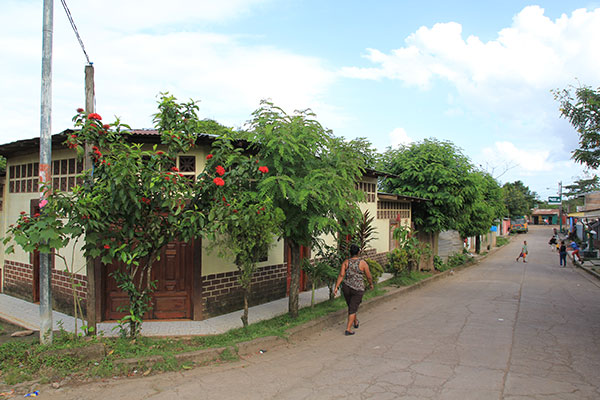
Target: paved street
498 330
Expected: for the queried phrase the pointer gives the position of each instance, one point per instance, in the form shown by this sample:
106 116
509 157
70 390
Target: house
193 283
545 216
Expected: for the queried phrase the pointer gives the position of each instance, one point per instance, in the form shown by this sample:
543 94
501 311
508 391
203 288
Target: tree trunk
477 244
245 315
294 279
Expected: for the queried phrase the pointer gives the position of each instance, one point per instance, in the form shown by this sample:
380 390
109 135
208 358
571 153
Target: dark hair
354 250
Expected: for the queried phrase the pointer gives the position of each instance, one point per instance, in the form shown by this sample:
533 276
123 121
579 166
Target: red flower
263 169
208 157
220 170
262 209
73 136
80 110
160 153
234 211
175 169
106 126
166 178
106 246
95 116
22 213
224 199
36 215
219 182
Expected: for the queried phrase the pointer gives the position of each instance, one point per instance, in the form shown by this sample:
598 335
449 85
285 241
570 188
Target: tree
582 186
434 170
313 178
518 198
242 223
131 204
582 110
487 205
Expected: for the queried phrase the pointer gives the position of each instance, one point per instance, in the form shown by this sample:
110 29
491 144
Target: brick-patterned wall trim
381 258
18 281
221 293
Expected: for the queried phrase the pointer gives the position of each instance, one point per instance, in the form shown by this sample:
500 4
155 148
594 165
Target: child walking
562 253
523 252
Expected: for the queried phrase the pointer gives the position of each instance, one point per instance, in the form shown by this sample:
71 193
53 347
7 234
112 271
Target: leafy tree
582 110
133 201
487 204
242 223
518 198
434 170
582 186
312 181
2 164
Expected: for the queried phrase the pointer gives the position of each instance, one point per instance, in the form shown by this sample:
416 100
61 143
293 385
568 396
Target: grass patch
501 241
407 279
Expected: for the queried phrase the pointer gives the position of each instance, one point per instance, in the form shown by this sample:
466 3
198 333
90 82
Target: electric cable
70 17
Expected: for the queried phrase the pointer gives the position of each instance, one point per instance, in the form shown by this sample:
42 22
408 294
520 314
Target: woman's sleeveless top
354 276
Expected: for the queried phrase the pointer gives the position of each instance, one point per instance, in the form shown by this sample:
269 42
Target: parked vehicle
519 225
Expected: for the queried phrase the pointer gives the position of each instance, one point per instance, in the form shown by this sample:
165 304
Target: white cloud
136 55
528 159
399 137
534 51
505 81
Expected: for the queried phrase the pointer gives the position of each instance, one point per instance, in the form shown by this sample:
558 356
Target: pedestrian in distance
562 254
353 287
523 253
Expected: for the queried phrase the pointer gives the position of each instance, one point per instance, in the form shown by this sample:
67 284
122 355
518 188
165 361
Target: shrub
376 271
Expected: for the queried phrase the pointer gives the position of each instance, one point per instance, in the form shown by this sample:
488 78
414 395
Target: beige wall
213 264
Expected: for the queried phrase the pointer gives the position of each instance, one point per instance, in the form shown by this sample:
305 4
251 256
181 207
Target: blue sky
476 73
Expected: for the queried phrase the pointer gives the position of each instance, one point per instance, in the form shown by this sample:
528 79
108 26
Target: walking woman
354 285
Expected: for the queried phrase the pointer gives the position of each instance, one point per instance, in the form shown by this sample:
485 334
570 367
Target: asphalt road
498 330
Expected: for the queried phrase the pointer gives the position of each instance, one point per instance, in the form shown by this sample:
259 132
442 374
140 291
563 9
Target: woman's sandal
348 333
355 323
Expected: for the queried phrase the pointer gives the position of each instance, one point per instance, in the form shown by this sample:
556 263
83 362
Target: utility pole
560 213
92 317
45 178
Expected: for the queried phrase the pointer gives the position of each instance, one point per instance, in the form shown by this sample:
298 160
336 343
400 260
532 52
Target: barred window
187 167
370 190
393 210
65 174
23 178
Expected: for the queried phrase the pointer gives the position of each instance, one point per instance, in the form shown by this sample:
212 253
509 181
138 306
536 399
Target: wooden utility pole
91 310
45 178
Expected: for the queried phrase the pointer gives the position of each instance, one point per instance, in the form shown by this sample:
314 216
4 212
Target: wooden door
174 275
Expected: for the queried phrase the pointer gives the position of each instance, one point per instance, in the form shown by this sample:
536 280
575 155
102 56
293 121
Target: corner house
192 282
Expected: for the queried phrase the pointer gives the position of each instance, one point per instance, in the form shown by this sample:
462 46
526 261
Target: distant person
353 287
562 254
523 253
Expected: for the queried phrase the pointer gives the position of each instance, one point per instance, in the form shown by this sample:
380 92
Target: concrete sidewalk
27 315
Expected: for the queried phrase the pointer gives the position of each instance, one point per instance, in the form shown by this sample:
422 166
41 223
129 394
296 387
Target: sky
478 74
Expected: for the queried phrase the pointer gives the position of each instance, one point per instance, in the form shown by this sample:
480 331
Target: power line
70 17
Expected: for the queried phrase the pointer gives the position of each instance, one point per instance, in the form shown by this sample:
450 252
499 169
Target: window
23 178
65 174
187 167
393 210
369 189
